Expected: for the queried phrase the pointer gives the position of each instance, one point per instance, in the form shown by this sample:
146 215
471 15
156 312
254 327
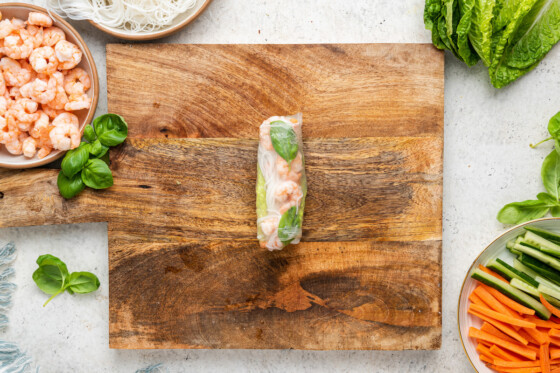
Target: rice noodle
131 15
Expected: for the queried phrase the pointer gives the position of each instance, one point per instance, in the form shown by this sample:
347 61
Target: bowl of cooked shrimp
48 86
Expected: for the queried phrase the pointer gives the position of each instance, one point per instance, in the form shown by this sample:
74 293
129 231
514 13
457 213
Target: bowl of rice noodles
132 19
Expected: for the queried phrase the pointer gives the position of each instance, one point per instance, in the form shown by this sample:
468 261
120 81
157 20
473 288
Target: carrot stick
508 301
540 337
501 317
504 328
516 370
483 350
545 358
487 344
554 332
555 311
554 353
517 364
491 329
555 341
513 347
486 359
476 299
504 354
541 323
484 269
494 304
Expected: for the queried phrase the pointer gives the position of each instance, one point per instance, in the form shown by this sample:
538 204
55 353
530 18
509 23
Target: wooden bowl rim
157 34
35 162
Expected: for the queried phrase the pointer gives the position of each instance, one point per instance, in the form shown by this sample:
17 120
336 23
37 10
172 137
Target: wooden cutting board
185 268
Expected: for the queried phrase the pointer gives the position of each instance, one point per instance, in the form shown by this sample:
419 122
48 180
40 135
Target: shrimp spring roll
281 182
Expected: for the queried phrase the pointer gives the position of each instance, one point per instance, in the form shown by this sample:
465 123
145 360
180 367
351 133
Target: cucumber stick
523 268
542 269
541 243
509 272
539 255
511 292
553 237
549 291
545 282
523 286
555 302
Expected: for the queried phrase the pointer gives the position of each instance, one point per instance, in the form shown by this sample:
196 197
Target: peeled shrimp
290 171
39 19
14 142
51 113
288 194
29 147
14 74
41 125
18 45
68 55
77 102
77 81
264 134
65 136
44 60
36 34
40 90
52 35
6 28
24 110
66 118
2 84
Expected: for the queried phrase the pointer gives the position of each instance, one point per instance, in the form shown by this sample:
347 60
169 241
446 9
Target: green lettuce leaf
480 34
500 73
465 50
538 33
505 11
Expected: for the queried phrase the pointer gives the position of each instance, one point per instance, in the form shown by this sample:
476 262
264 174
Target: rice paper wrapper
281 182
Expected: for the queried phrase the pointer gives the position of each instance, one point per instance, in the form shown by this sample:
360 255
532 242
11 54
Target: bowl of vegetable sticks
132 19
509 305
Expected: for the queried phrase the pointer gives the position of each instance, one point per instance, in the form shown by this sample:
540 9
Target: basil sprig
53 278
87 165
284 140
289 225
519 212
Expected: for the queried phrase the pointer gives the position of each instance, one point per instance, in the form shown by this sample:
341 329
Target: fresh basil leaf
106 158
89 134
289 225
75 160
97 149
111 129
555 211
548 199
284 140
554 126
97 175
550 173
51 275
519 212
69 187
82 282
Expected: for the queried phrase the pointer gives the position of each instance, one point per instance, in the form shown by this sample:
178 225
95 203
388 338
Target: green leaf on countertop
550 173
111 129
480 34
69 187
97 175
75 160
520 212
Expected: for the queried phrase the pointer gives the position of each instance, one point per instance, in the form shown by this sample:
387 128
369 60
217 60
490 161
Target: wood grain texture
380 189
185 267
344 90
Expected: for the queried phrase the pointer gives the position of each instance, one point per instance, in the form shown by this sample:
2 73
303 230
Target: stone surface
488 163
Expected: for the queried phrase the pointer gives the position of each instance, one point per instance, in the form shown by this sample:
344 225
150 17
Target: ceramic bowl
20 10
496 249
178 23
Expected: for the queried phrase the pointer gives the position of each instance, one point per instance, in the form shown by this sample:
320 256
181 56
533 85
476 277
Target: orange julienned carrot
504 355
525 335
544 356
541 323
513 347
555 341
554 353
491 329
483 350
538 335
555 311
490 272
502 327
476 299
508 301
501 317
486 359
516 370
517 364
554 332
493 303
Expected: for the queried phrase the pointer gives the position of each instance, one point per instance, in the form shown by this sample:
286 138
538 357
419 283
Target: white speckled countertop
487 163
